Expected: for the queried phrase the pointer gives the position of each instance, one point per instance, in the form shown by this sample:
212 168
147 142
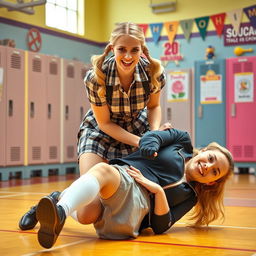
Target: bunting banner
144 28
187 26
171 28
251 14
156 29
202 24
219 21
235 17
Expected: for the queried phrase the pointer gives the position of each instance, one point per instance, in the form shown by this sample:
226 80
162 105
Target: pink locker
177 100
3 104
53 109
82 102
15 107
37 108
241 108
70 126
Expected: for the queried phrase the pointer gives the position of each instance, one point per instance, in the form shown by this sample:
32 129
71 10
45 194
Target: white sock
81 192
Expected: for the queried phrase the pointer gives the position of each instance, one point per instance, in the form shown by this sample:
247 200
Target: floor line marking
54 248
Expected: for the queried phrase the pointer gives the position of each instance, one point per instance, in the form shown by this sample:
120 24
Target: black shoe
29 220
51 218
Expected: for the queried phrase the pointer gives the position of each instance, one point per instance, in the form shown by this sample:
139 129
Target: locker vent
53 68
36 153
37 65
237 67
15 61
15 154
237 151
70 71
248 67
70 151
53 152
248 151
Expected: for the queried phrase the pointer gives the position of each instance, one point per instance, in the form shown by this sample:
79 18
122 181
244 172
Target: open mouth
127 63
200 169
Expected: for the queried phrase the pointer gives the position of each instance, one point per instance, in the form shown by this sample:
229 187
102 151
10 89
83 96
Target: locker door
178 100
241 108
70 127
3 71
210 102
15 107
82 102
53 109
37 108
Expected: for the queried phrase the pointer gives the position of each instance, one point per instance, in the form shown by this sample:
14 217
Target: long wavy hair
210 205
131 29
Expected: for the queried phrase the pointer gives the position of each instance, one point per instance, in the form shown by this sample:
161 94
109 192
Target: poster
244 87
211 88
177 86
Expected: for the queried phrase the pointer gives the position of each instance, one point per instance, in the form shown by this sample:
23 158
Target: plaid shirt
128 110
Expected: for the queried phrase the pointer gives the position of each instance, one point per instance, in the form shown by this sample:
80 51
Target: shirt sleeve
166 137
161 223
94 90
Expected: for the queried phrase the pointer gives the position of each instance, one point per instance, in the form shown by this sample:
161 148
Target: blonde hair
133 30
210 206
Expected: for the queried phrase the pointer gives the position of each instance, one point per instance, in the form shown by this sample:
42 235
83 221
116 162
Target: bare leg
90 213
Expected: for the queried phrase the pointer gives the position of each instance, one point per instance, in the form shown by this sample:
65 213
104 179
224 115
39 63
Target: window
63 14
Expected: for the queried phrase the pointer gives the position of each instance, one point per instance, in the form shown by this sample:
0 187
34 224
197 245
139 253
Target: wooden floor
236 236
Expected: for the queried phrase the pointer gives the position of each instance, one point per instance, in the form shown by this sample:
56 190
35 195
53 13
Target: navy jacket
173 147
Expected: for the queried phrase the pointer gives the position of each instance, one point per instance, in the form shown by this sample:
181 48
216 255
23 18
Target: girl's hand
149 185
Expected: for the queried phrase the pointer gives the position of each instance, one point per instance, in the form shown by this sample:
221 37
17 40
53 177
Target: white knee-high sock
81 192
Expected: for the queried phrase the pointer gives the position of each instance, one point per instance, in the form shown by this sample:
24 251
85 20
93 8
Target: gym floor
235 236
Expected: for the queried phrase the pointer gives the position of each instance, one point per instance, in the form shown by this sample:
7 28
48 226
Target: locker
82 102
37 108
210 95
70 126
3 88
178 100
241 108
15 107
53 94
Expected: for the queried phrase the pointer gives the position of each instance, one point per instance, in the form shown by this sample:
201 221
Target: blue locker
210 102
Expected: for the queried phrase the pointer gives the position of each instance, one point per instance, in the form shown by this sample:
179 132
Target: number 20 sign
171 52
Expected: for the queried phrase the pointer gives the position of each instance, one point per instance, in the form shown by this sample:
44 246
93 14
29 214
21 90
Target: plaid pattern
128 110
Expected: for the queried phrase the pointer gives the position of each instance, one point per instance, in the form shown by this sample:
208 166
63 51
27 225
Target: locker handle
10 108
200 111
32 109
49 111
169 114
66 112
81 113
233 110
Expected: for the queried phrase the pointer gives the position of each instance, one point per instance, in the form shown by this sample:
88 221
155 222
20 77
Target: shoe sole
47 216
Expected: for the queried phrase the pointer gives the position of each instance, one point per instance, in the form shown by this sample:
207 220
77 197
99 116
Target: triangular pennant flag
186 26
219 21
251 14
235 17
156 29
144 28
171 28
202 24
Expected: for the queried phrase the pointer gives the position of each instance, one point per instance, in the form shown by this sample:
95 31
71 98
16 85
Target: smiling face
127 51
207 167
